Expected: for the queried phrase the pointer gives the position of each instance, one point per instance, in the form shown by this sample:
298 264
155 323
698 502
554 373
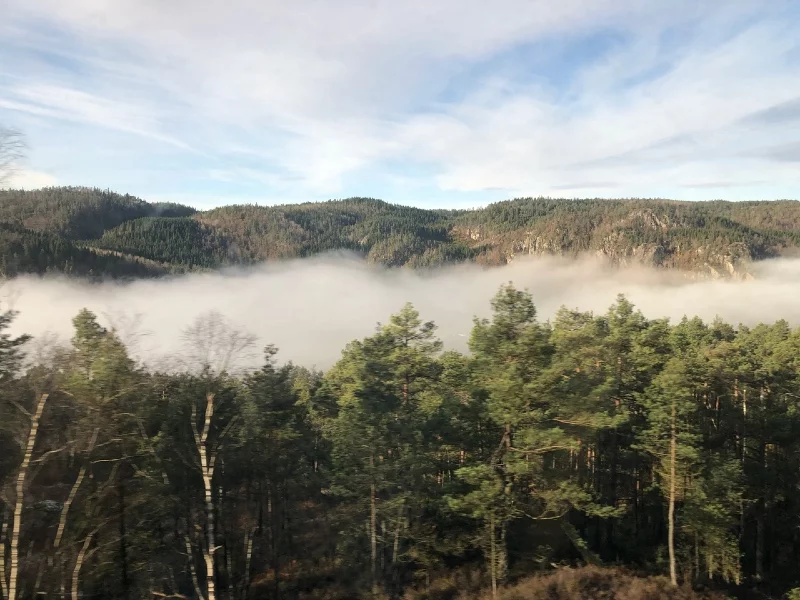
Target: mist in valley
311 308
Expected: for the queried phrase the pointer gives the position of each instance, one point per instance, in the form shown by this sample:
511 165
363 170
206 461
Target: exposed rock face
729 262
539 245
647 219
651 255
614 244
732 263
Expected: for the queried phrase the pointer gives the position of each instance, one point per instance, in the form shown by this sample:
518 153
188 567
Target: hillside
95 232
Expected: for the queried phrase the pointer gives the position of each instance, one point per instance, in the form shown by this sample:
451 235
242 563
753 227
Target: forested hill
93 232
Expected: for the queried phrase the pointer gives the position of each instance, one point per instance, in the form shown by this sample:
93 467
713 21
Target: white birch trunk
76 572
20 500
207 460
62 522
192 570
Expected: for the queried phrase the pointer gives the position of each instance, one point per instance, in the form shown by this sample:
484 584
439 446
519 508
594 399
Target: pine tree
541 424
671 437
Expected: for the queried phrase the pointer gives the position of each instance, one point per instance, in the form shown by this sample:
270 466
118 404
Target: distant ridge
99 233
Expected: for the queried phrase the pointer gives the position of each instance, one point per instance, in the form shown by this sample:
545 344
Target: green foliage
99 233
77 213
411 471
11 354
179 241
25 251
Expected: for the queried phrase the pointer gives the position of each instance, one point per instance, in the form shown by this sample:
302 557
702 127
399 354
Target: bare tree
12 146
48 351
208 459
35 417
129 331
214 345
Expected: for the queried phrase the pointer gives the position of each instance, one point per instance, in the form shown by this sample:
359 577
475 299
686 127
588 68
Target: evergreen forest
96 234
568 458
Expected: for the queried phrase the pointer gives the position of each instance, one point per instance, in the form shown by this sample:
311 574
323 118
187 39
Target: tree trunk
761 508
673 451
62 520
208 473
192 570
123 541
373 533
273 540
744 425
207 462
223 534
248 556
589 557
636 500
229 572
612 494
4 524
493 556
20 500
396 544
76 572
760 538
396 566
37 584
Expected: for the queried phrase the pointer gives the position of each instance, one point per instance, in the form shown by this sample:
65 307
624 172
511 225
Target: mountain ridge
98 233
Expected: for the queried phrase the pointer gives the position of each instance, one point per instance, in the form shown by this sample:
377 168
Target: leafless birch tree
213 348
19 501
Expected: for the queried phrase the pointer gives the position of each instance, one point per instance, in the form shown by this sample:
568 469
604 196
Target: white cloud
527 144
30 180
315 91
74 105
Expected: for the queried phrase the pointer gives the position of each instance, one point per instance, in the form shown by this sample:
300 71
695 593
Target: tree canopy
592 439
93 232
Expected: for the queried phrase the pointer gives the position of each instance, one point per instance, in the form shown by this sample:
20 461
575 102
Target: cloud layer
415 101
311 308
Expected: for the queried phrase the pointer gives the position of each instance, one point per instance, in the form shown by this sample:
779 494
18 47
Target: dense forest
97 233
595 441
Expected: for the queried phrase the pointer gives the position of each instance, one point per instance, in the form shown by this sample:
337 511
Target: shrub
595 583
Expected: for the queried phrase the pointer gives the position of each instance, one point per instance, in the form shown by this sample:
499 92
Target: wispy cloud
513 97
784 113
31 180
69 104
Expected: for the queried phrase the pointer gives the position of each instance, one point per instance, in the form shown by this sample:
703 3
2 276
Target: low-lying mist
311 308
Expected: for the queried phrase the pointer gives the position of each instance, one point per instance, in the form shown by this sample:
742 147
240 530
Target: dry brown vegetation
593 583
585 583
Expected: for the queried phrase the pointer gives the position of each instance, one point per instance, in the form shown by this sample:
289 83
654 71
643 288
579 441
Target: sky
433 103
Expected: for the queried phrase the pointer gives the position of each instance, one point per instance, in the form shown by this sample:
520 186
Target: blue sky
445 103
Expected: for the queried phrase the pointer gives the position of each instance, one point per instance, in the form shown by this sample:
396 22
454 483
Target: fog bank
311 308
